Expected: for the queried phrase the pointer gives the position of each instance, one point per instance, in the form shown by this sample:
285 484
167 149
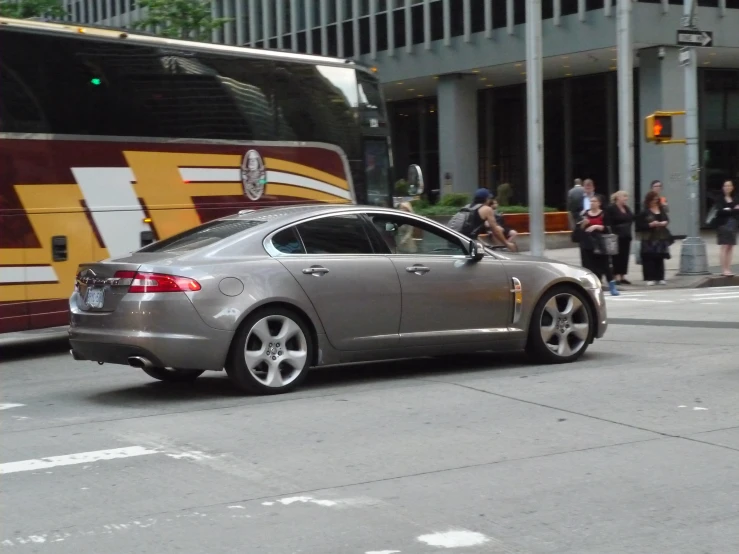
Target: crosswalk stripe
74 459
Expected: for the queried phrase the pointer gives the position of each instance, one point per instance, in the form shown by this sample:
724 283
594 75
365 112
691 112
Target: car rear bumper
164 329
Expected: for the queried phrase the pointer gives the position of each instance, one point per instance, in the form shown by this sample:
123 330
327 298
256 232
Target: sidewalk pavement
571 255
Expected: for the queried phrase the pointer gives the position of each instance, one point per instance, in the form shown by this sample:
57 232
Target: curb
717 281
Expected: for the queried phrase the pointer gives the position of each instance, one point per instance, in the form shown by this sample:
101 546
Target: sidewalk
571 255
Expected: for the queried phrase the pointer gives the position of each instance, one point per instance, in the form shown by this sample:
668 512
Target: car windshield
204 235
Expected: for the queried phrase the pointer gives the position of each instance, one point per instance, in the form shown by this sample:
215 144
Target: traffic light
658 128
95 81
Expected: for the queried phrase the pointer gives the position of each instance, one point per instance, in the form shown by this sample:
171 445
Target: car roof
287 214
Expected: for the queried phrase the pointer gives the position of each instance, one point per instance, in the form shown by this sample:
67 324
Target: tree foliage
25 9
180 19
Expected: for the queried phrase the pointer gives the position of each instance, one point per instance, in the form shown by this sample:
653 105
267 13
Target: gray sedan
268 294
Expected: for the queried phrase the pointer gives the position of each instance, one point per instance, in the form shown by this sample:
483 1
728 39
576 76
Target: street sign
689 37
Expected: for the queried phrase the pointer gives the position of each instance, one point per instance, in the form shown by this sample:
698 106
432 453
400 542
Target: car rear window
202 236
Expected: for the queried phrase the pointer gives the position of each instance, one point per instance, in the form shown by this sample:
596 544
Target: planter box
554 222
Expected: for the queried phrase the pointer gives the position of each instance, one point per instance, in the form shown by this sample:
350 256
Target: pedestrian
472 219
727 221
574 206
657 187
620 219
655 239
592 246
508 233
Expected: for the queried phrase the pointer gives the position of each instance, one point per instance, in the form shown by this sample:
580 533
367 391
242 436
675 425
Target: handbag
610 243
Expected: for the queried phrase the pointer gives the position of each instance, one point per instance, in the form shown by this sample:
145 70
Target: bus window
316 107
371 106
377 172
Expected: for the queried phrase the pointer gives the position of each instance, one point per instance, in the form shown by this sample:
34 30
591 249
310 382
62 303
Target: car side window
288 242
345 234
408 236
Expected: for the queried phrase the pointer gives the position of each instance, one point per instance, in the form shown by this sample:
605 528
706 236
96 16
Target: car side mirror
415 180
391 228
476 251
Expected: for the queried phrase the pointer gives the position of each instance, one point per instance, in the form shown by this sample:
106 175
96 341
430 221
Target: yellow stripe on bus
305 171
305 193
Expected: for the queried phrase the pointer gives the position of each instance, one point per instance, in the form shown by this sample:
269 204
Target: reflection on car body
269 294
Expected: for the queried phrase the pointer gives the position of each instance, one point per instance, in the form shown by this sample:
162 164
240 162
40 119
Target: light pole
693 256
625 99
534 124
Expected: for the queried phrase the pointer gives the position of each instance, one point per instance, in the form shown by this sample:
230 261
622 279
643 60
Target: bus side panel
66 241
13 300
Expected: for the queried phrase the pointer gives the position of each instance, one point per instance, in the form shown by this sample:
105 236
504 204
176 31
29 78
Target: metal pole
625 100
534 121
693 255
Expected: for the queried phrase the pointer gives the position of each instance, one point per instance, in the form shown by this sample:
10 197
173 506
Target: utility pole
693 256
534 124
625 99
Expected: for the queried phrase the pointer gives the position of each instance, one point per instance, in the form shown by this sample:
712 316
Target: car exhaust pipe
139 362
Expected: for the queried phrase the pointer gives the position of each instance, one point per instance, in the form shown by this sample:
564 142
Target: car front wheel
272 352
562 326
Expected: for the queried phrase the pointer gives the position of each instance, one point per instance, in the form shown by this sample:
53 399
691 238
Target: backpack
464 220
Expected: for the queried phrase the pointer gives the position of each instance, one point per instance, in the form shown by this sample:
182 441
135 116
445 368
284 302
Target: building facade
453 73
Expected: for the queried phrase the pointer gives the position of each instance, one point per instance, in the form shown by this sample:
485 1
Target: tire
173 375
562 326
271 353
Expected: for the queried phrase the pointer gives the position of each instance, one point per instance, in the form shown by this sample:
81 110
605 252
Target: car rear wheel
562 326
272 352
173 375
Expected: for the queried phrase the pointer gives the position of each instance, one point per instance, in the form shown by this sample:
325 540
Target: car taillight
157 282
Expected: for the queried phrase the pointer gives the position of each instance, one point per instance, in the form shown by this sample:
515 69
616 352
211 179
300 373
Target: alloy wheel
276 351
565 324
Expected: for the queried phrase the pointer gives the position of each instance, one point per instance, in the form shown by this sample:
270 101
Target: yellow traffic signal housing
658 128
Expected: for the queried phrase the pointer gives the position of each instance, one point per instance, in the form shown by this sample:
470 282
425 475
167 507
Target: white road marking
454 539
699 408
237 507
28 274
720 297
339 502
74 459
382 552
629 299
111 198
9 405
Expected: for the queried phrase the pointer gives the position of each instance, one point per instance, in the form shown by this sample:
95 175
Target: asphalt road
634 449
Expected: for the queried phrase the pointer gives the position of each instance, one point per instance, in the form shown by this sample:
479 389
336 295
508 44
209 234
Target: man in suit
574 202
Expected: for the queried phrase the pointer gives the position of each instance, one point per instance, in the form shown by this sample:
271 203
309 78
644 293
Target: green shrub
455 199
421 207
401 187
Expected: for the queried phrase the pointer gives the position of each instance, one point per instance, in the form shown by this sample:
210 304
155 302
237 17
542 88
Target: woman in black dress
727 219
655 239
619 218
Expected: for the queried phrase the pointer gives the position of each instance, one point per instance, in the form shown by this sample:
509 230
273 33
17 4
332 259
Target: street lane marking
74 459
8 406
454 539
693 324
625 299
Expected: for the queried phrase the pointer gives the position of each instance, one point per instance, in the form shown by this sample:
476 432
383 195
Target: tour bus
111 140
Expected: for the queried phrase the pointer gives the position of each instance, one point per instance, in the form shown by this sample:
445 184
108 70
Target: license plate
95 298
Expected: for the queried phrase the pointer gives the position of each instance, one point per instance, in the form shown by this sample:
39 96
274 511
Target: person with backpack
471 219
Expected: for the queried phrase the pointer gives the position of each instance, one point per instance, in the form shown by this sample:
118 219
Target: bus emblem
253 175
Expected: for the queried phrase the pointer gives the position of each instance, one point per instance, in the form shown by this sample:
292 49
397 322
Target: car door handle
417 269
315 270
